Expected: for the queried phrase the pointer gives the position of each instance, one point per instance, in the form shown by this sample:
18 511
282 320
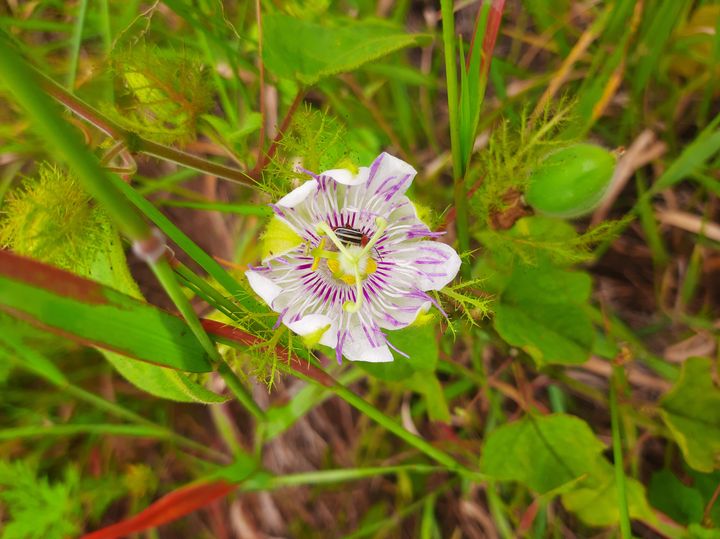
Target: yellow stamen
316 258
334 266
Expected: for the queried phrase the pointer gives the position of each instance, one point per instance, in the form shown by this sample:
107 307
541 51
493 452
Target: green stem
376 415
461 211
32 360
229 108
106 35
167 153
136 143
238 389
165 275
337 476
207 292
418 443
625 528
497 510
205 261
70 430
75 43
121 412
240 209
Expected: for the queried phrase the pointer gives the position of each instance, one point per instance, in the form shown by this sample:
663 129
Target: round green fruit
570 182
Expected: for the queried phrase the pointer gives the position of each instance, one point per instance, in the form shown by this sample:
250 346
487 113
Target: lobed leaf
559 453
541 311
308 51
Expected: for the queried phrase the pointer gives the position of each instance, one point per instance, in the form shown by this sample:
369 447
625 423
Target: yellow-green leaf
691 410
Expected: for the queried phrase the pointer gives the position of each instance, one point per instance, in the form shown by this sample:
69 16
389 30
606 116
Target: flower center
350 263
343 267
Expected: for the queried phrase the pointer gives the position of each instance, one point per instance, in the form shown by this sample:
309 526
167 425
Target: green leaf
427 384
549 452
418 342
548 332
595 501
307 51
95 314
681 503
691 410
696 531
706 484
52 219
541 312
542 452
161 381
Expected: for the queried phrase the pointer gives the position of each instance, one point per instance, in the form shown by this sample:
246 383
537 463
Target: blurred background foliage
572 389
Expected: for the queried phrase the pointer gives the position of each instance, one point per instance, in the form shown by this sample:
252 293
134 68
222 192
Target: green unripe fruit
570 182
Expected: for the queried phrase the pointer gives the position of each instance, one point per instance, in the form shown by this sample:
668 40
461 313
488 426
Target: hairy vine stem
134 142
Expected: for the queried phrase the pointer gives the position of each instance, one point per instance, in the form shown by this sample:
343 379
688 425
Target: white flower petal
263 286
346 177
298 195
405 313
435 264
358 348
311 323
389 176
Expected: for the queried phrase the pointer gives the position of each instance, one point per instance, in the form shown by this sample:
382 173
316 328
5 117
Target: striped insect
351 236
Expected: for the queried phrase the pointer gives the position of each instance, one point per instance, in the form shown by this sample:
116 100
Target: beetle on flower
361 263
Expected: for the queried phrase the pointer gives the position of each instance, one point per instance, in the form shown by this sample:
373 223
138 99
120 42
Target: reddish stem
264 159
299 365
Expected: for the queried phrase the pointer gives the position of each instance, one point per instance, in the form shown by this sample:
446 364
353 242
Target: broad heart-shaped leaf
542 452
308 51
691 410
94 314
541 311
547 452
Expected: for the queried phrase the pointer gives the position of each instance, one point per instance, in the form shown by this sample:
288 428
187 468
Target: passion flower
360 264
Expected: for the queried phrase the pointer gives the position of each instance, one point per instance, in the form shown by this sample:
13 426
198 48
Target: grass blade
75 43
93 314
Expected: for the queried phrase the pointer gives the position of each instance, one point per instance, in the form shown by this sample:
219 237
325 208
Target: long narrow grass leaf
94 314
